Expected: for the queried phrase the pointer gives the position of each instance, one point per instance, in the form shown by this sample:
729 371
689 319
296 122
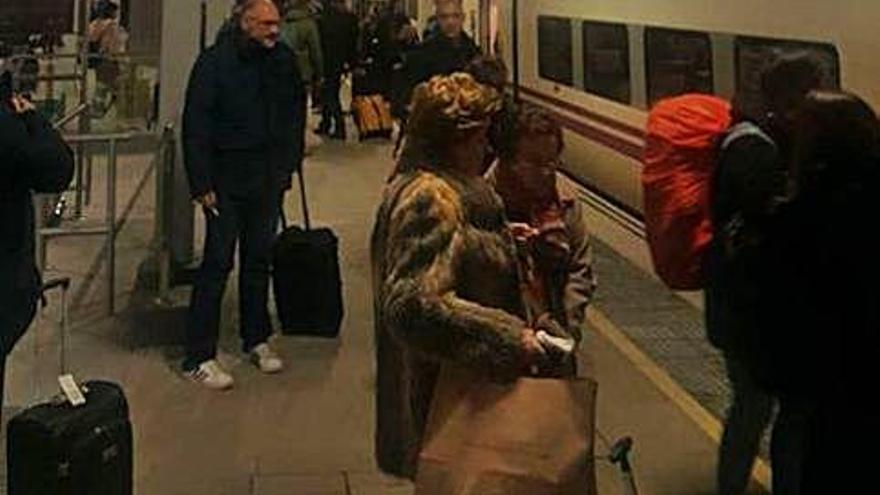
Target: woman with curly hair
446 291
547 221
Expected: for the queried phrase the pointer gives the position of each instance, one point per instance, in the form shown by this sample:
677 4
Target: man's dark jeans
331 109
250 221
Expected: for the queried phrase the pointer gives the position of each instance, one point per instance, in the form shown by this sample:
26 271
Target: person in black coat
339 38
449 51
243 137
33 159
821 313
748 183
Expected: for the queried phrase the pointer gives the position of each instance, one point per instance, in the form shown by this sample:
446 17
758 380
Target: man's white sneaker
211 375
266 359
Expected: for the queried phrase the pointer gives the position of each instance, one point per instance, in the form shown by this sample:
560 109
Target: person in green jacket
300 32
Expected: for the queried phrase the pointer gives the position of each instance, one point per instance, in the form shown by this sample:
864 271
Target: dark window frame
565 79
749 97
585 27
796 45
650 59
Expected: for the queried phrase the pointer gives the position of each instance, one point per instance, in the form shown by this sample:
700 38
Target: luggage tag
71 390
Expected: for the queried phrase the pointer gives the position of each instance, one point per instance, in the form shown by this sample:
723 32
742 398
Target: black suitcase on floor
306 278
56 448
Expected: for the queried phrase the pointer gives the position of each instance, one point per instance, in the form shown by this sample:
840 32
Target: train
599 65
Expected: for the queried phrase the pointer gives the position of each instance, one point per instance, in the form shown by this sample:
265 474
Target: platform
309 430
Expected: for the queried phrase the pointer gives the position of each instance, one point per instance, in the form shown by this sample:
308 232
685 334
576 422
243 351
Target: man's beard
269 43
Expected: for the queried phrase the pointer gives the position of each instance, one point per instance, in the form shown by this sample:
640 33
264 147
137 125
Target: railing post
88 183
80 164
84 123
164 178
111 225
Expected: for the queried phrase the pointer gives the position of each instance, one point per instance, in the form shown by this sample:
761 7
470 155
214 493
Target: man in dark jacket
448 52
339 36
749 178
33 158
243 138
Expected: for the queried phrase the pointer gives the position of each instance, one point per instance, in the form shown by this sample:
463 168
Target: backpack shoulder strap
744 129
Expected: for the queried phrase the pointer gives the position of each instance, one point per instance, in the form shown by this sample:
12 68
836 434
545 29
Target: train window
606 60
677 62
555 50
754 55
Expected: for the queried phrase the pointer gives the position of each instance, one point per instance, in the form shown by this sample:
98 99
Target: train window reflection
677 62
606 60
555 50
754 55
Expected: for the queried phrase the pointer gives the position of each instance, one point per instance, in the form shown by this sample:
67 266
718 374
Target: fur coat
445 292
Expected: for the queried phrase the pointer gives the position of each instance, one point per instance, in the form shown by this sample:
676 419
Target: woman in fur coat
446 290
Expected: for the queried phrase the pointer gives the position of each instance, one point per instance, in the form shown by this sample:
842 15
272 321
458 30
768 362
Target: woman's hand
532 348
522 231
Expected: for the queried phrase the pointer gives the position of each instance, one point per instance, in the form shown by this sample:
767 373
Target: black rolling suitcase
306 278
57 448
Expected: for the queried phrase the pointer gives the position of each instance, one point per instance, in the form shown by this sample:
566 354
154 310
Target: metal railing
76 113
108 229
163 166
166 157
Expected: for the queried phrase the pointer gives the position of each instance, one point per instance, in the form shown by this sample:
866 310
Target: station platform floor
309 430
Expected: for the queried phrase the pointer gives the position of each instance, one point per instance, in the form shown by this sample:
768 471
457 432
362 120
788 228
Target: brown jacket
570 296
445 292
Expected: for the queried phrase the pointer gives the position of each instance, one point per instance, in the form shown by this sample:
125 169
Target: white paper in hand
560 344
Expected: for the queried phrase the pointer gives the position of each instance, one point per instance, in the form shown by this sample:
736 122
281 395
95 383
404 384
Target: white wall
181 20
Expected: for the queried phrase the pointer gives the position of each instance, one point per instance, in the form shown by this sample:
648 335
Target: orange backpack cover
680 153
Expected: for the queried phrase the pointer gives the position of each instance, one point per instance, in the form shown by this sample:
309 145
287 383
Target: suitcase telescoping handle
302 195
62 283
72 392
305 203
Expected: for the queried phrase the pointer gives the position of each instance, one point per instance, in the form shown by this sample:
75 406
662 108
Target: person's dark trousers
790 442
332 121
747 418
315 90
250 221
843 433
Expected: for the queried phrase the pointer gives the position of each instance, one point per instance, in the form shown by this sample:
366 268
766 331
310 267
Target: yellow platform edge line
669 387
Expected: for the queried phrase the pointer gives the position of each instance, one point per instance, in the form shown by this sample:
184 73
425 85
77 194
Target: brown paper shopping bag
531 437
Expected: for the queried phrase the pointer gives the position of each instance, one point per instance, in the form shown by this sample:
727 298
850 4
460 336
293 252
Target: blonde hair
454 102
442 109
